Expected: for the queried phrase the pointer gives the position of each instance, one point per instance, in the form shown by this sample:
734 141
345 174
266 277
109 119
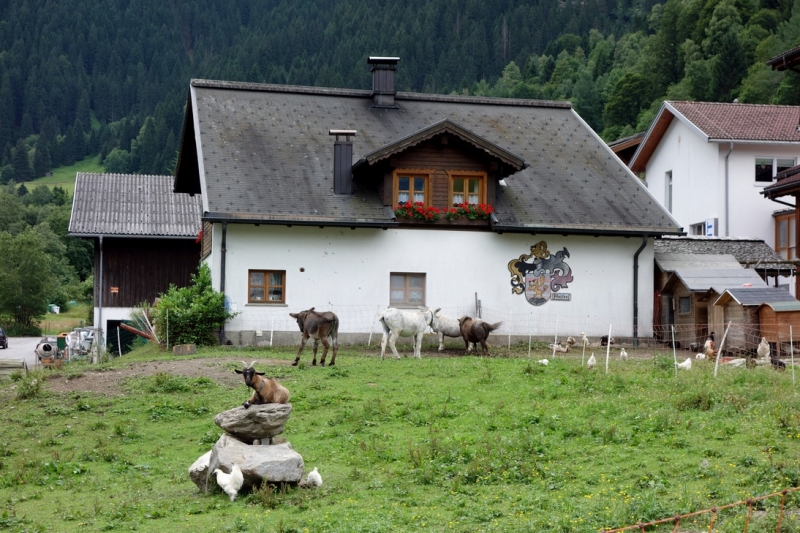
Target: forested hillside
80 77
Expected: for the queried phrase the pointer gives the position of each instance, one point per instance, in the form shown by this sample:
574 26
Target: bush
23 330
191 315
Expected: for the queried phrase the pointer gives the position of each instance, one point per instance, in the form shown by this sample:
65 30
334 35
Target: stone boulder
256 422
277 463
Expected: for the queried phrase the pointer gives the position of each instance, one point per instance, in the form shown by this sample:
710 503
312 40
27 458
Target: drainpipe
223 249
636 291
727 187
99 328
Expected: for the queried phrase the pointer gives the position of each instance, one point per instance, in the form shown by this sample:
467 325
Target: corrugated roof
784 306
265 154
749 252
672 262
697 280
132 205
758 295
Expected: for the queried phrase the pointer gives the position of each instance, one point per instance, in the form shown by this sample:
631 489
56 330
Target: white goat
445 325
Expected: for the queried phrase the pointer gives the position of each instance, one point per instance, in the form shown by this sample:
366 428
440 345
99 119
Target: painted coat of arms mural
541 275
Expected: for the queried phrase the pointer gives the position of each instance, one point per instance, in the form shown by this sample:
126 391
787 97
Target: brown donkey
321 327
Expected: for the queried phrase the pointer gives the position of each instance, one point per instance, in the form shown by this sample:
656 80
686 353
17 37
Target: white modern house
708 163
305 197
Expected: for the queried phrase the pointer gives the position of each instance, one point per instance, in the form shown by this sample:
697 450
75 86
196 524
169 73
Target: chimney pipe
343 161
383 90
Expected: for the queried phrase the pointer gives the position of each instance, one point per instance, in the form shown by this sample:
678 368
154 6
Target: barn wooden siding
205 244
744 325
775 327
141 269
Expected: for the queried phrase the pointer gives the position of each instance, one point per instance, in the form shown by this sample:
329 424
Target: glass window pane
419 184
398 296
684 304
474 199
763 169
276 294
458 185
784 164
276 278
256 294
256 278
403 184
397 281
416 282
415 296
402 197
792 235
419 197
783 233
458 199
474 186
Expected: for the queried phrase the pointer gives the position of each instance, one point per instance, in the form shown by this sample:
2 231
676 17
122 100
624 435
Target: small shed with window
741 306
687 285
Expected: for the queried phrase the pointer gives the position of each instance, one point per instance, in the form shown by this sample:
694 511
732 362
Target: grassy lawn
74 317
442 444
64 177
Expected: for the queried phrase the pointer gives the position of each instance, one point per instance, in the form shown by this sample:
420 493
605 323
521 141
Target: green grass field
441 444
64 177
75 316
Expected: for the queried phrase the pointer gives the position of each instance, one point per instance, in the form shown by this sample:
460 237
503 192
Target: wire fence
713 514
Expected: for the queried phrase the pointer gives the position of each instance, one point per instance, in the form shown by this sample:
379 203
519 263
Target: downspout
636 291
223 249
100 301
727 187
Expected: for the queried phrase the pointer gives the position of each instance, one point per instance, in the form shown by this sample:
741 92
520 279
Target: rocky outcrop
258 422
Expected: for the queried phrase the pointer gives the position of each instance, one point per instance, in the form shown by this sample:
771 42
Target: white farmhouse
708 163
308 200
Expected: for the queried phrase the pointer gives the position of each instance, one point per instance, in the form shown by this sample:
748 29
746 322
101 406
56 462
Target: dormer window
467 187
412 186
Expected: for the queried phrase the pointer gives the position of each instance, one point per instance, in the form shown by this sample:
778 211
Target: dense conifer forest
110 79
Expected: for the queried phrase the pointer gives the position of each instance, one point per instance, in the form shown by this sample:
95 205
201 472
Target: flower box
462 214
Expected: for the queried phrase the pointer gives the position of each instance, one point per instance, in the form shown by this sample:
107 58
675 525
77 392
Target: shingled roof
262 154
750 253
722 122
132 205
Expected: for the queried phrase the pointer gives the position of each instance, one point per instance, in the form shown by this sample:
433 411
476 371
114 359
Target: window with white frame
768 167
406 289
697 229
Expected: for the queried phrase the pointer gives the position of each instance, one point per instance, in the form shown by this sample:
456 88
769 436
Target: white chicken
544 362
623 354
739 362
570 341
763 348
230 483
314 479
584 340
686 365
558 348
699 356
591 362
708 349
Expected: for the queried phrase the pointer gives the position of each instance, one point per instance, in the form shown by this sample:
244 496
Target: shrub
191 315
23 330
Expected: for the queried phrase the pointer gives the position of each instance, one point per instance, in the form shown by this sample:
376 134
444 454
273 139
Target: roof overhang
788 60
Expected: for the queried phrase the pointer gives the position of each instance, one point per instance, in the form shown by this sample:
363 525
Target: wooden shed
740 307
780 322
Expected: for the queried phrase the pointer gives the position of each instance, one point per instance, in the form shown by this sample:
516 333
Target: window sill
266 304
443 222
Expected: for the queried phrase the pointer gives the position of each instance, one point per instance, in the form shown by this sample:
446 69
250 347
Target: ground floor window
684 305
266 286
406 289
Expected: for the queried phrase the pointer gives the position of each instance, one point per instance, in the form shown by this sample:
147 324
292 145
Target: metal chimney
383 90
343 161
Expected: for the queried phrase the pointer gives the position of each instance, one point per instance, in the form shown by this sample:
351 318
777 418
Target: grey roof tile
760 295
132 205
751 253
265 154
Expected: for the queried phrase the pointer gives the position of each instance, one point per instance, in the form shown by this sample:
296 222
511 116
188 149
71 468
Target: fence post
674 355
271 329
167 328
119 344
528 327
721 346
608 346
555 339
791 351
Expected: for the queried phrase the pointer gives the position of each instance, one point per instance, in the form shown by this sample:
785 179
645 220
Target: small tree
194 312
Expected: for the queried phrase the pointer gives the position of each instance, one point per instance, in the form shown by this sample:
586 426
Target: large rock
199 470
256 422
277 463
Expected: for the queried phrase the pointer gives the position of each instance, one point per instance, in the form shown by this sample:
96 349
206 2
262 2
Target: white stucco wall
698 175
348 271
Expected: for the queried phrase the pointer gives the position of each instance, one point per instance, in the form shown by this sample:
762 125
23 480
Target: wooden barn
145 239
780 322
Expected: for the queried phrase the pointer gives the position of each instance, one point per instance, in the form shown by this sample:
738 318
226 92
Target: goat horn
252 365
244 365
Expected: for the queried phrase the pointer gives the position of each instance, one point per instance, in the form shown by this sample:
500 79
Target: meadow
446 443
64 177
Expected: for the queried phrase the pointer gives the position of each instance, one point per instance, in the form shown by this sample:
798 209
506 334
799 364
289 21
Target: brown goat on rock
475 330
265 390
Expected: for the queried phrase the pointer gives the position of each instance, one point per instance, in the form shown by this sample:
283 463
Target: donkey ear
293 315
